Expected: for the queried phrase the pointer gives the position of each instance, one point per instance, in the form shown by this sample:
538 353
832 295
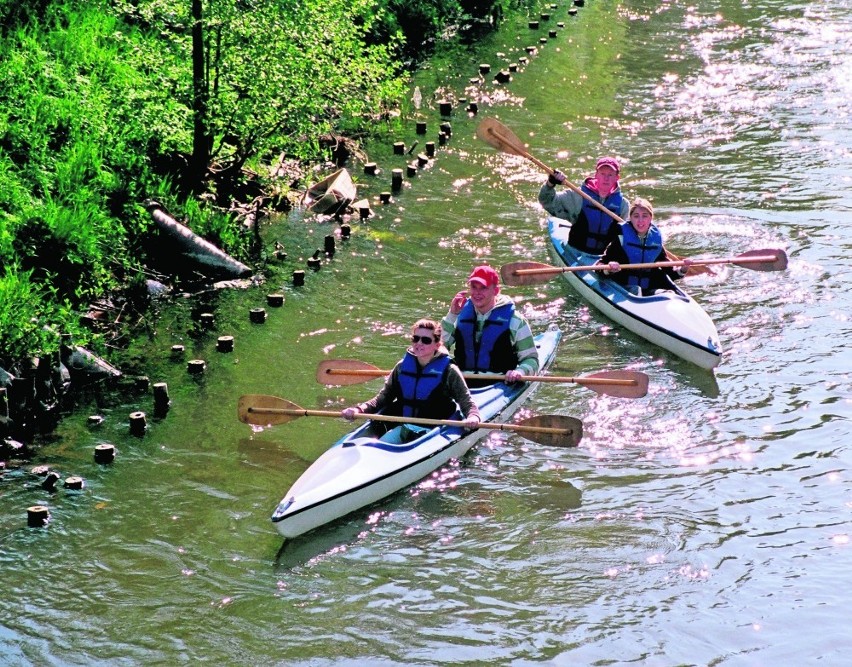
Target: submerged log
84 366
210 260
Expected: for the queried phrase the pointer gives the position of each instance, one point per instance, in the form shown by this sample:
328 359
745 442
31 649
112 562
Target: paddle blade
261 410
493 132
508 272
637 390
773 259
570 427
346 372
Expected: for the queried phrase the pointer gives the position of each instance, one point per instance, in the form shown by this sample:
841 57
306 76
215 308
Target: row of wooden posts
445 109
105 453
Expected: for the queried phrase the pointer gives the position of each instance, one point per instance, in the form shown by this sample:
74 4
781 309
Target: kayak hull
670 319
359 469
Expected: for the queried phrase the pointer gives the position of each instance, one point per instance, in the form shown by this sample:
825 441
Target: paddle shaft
496 377
301 412
518 149
647 265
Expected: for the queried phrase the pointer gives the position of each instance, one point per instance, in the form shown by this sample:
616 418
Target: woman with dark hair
424 384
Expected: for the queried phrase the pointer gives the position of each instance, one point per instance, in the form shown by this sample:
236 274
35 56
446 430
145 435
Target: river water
708 523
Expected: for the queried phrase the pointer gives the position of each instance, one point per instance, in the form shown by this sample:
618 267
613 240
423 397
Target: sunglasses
426 340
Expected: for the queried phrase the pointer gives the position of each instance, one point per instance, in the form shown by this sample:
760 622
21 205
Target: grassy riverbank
107 104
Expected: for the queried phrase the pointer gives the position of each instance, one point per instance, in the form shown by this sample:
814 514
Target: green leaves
26 312
96 115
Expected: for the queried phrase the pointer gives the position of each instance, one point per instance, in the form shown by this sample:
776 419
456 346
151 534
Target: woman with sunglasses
425 384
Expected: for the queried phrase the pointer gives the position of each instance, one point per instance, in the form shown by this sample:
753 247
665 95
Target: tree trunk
200 140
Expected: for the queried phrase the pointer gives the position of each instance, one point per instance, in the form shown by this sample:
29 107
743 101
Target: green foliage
283 73
418 21
98 113
28 315
15 13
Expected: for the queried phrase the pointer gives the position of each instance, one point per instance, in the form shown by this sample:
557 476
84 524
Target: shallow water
707 523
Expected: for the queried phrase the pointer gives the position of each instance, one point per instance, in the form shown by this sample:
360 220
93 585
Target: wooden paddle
550 430
534 273
493 132
623 384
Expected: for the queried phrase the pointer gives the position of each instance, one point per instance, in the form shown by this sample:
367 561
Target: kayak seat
403 433
646 295
396 439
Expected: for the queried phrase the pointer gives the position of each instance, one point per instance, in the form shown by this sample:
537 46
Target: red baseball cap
608 162
484 274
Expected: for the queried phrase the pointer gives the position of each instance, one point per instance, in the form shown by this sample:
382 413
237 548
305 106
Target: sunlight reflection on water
734 118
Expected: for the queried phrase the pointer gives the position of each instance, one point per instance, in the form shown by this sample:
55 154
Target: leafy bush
28 316
104 104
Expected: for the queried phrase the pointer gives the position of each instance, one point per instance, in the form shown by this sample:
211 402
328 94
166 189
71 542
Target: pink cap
485 275
608 162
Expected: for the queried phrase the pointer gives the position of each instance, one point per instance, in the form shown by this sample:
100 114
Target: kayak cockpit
398 439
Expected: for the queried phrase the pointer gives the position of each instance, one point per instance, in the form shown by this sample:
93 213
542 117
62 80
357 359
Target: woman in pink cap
591 229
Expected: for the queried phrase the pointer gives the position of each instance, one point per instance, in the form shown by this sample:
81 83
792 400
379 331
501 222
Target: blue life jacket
494 352
421 388
640 251
597 221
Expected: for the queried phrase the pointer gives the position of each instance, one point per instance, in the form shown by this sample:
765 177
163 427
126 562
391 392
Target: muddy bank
34 393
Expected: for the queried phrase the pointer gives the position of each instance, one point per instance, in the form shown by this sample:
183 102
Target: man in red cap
488 334
592 230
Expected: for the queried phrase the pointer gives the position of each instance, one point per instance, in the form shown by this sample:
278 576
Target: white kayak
359 470
670 318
